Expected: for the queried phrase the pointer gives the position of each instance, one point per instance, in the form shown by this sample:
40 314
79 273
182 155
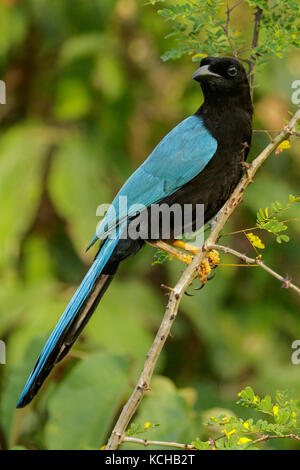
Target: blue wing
178 158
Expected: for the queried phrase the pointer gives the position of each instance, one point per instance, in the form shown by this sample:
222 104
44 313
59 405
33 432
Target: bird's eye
232 71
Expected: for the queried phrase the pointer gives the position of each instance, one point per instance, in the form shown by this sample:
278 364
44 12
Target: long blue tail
72 321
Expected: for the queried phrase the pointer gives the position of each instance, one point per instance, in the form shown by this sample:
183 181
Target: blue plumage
176 160
72 309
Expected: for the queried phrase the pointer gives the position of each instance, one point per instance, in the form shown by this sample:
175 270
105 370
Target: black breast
212 187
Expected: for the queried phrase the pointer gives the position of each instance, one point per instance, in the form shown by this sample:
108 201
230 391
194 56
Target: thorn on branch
286 283
164 286
246 166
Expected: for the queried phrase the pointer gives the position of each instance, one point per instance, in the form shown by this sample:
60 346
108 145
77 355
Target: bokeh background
88 98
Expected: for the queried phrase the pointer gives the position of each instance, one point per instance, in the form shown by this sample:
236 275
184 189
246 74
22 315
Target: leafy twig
285 282
266 437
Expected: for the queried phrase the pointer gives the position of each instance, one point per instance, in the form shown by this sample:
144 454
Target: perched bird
199 162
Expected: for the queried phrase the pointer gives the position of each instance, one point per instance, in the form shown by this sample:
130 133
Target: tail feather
71 323
85 313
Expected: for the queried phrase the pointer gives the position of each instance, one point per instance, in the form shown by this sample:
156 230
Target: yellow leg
213 255
205 267
186 246
184 257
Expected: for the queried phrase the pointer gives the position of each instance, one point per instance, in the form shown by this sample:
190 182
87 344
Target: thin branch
226 27
266 130
251 229
286 283
230 10
145 442
185 280
257 22
266 437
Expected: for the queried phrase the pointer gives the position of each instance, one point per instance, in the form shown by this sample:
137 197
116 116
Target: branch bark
226 27
286 283
185 280
257 21
145 442
266 437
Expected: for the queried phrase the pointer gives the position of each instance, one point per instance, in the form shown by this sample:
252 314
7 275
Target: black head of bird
222 78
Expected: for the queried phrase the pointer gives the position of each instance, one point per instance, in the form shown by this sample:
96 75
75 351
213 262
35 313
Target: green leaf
200 445
72 100
168 407
23 151
283 416
161 257
78 162
15 379
249 393
282 238
266 404
82 408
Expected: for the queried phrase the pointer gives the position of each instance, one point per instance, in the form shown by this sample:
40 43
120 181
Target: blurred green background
88 98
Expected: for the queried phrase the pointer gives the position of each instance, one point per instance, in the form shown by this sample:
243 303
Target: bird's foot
206 266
